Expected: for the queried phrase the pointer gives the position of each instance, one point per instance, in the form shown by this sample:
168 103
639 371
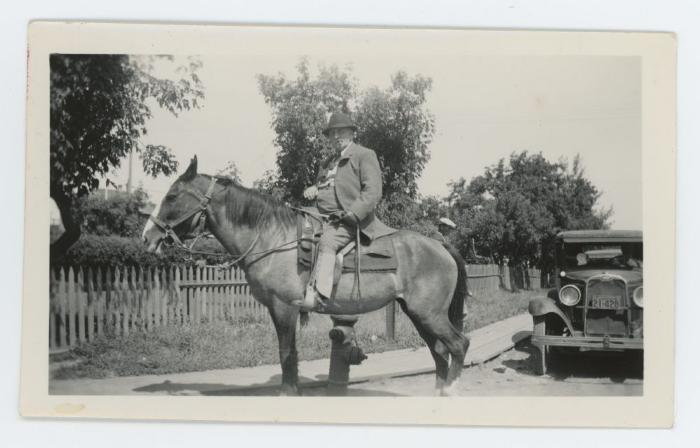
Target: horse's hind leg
284 318
457 345
457 354
445 341
437 349
449 342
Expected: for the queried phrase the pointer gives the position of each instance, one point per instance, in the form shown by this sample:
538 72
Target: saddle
377 255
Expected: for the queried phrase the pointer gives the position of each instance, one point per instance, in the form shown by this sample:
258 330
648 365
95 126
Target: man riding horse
348 189
428 281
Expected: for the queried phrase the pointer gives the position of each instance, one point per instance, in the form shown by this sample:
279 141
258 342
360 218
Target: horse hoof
289 392
451 390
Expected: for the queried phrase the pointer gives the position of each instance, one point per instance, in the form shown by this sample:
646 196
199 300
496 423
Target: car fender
545 305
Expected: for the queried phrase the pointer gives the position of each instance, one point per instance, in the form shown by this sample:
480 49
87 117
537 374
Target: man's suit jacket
439 236
358 187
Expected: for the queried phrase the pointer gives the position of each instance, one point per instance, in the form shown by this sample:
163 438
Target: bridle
169 227
200 212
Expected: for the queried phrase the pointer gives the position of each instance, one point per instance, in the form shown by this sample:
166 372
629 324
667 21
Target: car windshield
603 255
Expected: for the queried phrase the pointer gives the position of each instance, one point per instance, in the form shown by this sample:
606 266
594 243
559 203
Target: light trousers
335 236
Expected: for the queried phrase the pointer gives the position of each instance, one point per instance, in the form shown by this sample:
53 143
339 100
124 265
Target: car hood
631 277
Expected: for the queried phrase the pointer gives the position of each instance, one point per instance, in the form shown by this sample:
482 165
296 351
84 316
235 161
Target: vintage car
598 301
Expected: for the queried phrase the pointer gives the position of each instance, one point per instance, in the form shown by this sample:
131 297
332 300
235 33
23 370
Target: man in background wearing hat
348 189
445 227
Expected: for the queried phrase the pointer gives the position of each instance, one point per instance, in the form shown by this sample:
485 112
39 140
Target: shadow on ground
567 363
310 387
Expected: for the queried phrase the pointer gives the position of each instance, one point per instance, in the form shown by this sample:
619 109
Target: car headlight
638 296
569 295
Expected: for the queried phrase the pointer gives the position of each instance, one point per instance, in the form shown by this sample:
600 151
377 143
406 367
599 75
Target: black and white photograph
339 212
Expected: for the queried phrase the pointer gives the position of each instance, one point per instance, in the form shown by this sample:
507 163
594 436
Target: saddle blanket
377 256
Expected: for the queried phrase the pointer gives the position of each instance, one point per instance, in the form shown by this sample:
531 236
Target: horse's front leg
284 317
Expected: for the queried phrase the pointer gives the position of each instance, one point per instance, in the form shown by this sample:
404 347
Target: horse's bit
199 211
204 200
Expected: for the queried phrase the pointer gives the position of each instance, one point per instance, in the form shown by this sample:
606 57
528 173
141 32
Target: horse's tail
303 318
456 310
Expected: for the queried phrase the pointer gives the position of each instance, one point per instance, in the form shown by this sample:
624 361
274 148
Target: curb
486 343
493 347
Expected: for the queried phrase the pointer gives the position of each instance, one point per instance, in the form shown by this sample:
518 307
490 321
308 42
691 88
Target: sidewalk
486 343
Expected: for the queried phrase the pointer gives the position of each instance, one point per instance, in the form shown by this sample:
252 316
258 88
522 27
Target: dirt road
512 374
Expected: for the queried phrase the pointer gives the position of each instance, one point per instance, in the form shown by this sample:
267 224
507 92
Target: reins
169 228
324 218
200 212
205 199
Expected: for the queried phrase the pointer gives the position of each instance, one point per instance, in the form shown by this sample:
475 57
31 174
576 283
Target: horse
262 232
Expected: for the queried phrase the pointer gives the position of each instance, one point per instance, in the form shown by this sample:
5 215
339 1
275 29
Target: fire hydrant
344 353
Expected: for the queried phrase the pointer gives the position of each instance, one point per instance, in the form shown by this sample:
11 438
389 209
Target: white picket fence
87 302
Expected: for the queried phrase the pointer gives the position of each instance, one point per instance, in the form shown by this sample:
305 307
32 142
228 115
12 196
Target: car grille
606 306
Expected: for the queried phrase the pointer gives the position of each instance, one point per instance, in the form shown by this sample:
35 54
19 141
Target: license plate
605 303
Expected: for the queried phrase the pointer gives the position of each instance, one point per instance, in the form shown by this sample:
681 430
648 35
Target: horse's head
178 213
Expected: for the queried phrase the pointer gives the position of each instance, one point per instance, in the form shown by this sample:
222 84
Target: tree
117 215
99 106
231 171
269 183
433 208
299 113
516 207
393 122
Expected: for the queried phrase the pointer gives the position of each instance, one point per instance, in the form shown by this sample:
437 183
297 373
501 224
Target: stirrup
311 299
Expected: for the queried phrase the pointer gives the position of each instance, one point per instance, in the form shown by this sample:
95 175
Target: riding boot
311 299
325 268
320 284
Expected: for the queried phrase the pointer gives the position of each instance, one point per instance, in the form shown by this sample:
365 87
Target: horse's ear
191 170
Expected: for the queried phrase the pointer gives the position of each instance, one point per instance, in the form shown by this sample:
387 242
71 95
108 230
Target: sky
485 107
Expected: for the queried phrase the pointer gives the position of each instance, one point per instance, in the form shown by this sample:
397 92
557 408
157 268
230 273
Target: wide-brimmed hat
339 120
448 222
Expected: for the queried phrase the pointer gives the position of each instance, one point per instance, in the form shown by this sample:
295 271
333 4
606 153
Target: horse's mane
245 206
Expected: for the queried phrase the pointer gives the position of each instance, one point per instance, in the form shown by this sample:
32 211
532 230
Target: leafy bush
118 214
516 207
94 250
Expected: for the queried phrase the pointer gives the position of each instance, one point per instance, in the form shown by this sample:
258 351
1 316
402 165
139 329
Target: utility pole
131 169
